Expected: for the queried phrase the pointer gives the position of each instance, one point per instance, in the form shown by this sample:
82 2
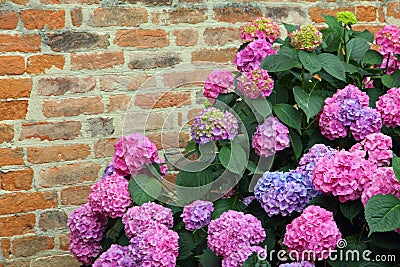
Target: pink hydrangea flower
218 82
138 219
378 147
256 83
260 28
314 230
388 106
330 125
110 196
84 252
197 214
269 137
252 55
389 39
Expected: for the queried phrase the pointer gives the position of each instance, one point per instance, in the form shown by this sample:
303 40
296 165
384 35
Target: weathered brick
104 148
8 20
142 38
53 219
151 2
17 225
13 110
97 60
20 43
15 88
151 60
39 19
177 79
381 14
6 133
118 16
287 13
12 65
45 154
186 37
315 13
214 55
149 121
118 82
76 195
16 180
38 64
21 262
5 248
76 41
243 13
100 126
88 2
366 13
66 130
64 242
11 156
169 139
68 174
61 85
180 15
393 10
76 16
162 100
73 106
55 261
30 245
117 102
23 202
221 35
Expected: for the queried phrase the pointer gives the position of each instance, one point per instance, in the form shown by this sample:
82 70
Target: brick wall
69 69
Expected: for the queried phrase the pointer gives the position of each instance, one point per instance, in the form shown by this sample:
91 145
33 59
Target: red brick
66 130
17 224
169 139
117 16
373 29
39 19
8 20
177 79
180 15
88 2
5 248
393 10
20 2
40 63
61 85
119 102
76 16
20 43
13 110
23 202
104 148
16 180
186 37
316 12
31 245
47 154
64 242
381 14
226 55
236 14
12 65
76 195
6 133
162 100
142 38
15 88
97 60
73 106
366 13
55 261
68 174
221 35
10 156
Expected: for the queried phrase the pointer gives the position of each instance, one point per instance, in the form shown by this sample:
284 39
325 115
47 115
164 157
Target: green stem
344 43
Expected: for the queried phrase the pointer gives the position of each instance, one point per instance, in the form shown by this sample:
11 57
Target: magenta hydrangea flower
110 196
121 256
378 147
330 125
269 137
214 124
84 252
138 219
232 236
369 122
197 214
218 82
306 38
260 28
314 230
343 175
118 160
256 83
388 38
384 182
388 106
315 154
252 55
298 264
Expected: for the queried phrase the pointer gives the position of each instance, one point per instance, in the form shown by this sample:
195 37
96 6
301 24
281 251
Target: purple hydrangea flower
84 252
252 55
298 264
121 256
218 82
369 122
197 214
109 170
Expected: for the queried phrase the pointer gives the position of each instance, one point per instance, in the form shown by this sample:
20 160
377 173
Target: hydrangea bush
292 162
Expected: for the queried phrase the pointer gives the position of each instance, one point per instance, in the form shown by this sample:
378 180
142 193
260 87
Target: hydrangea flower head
369 122
330 125
315 154
388 38
347 17
252 55
84 252
256 83
260 28
298 264
314 230
283 193
138 219
214 124
117 255
109 170
269 137
306 38
110 196
218 82
388 106
378 147
197 214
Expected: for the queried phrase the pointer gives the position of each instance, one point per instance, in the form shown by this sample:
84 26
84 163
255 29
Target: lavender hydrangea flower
252 55
121 256
369 122
197 214
84 252
298 264
109 170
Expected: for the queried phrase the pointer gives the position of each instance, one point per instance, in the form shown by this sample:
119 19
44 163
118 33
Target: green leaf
366 35
392 80
382 213
356 49
193 185
396 166
310 61
288 50
385 240
311 104
288 115
254 261
144 189
223 205
208 258
186 245
262 106
233 158
277 63
374 95
333 65
372 57
290 27
351 209
332 22
296 144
